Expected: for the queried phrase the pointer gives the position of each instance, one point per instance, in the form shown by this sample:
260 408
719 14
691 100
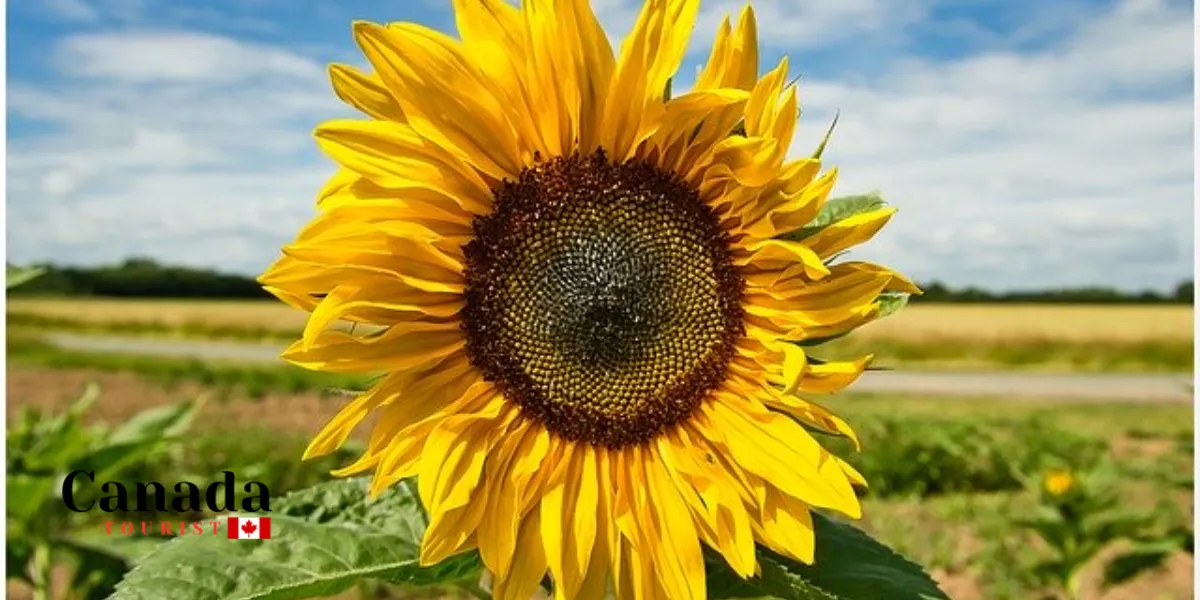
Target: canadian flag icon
249 528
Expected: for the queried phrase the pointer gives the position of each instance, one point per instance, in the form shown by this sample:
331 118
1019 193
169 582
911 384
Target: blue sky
1027 143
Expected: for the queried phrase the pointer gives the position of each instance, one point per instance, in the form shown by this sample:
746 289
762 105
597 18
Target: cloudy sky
1027 143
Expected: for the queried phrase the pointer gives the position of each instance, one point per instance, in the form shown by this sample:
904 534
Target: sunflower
588 299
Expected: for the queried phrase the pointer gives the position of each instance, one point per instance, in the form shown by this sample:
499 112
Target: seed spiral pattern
601 298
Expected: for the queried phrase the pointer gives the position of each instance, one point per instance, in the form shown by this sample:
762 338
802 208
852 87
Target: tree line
146 278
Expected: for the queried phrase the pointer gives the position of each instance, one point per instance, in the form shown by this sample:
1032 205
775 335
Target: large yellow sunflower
583 306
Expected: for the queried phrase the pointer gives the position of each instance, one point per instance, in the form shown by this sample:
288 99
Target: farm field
1128 338
948 475
952 478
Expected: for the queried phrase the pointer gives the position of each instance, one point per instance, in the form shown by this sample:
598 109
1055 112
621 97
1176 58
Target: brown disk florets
601 298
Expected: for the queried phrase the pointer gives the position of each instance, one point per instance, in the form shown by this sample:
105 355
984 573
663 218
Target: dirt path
1168 387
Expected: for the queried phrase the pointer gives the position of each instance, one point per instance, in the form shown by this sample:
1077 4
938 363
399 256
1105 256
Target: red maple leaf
249 528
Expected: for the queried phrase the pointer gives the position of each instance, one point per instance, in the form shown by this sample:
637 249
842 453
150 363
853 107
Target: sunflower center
601 298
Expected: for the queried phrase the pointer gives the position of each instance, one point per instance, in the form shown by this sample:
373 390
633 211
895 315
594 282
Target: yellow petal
302 284
455 454
787 527
518 457
495 38
896 282
732 65
650 55
812 414
421 393
443 94
795 364
776 257
722 508
399 455
777 449
733 60
365 92
425 264
594 582
835 376
569 522
677 557
830 305
595 70
341 179
300 301
396 156
791 202
745 160
685 121
849 232
453 457
428 209
761 109
334 433
529 563
406 346
552 79
852 474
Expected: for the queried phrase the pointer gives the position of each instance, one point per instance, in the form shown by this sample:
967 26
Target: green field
948 475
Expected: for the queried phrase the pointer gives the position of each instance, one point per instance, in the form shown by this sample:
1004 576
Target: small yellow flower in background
583 306
1058 482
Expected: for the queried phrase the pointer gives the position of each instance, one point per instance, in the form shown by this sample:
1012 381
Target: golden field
1065 322
1074 323
1049 337
177 313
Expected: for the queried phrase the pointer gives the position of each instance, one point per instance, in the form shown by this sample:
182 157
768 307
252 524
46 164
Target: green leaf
776 581
139 438
155 423
96 572
17 553
58 442
26 494
17 275
890 303
324 540
849 565
1137 560
835 210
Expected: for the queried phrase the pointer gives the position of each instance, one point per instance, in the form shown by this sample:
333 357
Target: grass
1150 338
1108 420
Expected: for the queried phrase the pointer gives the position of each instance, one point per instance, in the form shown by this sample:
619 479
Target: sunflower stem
41 571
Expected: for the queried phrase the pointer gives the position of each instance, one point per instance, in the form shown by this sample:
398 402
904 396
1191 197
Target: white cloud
187 147
177 56
781 23
70 10
1070 163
